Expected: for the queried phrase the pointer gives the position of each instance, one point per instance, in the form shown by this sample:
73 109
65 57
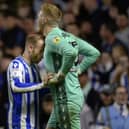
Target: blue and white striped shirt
23 84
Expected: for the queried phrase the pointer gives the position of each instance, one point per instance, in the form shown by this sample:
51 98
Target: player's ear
30 47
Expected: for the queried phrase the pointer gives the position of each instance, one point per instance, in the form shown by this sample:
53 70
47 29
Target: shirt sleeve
16 79
90 54
60 45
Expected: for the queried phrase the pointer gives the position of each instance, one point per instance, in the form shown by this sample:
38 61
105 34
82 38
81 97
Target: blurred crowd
102 23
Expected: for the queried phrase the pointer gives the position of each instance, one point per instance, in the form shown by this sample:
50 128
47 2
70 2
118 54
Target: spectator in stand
106 3
72 28
117 53
28 25
105 68
94 76
73 5
92 98
121 73
106 95
2 115
1 78
25 9
122 6
123 29
87 118
87 33
86 29
2 27
14 36
89 9
115 116
3 88
113 13
107 32
68 18
100 72
87 114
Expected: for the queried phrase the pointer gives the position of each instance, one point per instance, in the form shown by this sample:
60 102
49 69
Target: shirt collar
125 109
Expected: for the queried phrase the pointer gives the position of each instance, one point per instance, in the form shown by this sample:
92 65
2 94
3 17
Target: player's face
37 53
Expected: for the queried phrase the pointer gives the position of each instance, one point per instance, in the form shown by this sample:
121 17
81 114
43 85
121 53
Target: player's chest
31 74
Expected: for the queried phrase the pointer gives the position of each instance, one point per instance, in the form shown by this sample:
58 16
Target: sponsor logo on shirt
15 65
56 40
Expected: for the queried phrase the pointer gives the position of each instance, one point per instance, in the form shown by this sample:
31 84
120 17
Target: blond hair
33 38
52 11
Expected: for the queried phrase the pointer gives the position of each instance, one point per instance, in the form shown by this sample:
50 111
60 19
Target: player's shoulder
16 63
53 38
50 37
58 36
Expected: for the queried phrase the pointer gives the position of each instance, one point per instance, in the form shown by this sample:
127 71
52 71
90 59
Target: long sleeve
59 45
18 86
91 54
16 79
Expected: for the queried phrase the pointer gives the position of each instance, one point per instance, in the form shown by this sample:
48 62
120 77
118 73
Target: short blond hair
52 11
33 38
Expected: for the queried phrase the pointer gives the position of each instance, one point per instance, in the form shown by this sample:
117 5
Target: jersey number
74 43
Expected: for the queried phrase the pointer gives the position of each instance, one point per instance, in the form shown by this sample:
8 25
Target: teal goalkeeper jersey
61 54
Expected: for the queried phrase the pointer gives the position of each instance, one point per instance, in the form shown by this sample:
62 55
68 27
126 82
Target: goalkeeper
61 57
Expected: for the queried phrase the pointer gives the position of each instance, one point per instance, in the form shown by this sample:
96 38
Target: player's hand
47 78
56 78
60 76
53 80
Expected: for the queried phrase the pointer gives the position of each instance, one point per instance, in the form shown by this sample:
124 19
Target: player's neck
48 29
26 58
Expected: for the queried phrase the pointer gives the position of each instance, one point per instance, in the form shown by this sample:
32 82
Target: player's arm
59 45
91 54
16 75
